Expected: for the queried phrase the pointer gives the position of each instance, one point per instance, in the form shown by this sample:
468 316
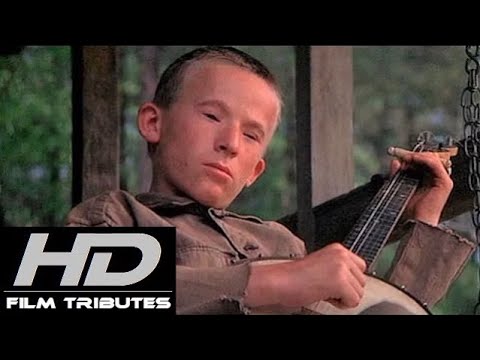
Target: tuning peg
450 141
425 137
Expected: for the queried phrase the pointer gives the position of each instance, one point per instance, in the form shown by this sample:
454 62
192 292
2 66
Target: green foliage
400 91
129 87
462 295
35 129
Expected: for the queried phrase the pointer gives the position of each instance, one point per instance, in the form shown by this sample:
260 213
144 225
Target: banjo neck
372 230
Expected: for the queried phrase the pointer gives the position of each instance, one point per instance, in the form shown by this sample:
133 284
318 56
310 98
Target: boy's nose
228 140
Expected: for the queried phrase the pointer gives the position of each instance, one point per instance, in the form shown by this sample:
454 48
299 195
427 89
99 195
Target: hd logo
84 269
75 260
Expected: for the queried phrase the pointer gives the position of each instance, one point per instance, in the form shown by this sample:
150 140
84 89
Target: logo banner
73 270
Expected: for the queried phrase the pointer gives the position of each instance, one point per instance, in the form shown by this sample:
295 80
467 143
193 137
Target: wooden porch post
325 166
95 116
332 122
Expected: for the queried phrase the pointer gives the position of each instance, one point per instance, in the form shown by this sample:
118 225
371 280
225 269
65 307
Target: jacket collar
174 205
158 200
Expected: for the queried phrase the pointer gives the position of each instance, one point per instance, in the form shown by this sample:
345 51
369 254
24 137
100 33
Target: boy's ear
257 171
149 122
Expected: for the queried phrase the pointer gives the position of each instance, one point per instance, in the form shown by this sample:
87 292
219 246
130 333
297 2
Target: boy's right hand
332 274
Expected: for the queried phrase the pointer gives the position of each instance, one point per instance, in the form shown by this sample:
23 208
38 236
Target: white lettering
118 303
25 303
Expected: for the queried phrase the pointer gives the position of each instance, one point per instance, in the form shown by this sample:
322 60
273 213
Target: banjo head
380 298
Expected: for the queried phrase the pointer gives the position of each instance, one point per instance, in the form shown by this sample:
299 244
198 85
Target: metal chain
471 116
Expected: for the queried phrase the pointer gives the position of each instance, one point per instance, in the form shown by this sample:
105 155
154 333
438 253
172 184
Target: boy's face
213 138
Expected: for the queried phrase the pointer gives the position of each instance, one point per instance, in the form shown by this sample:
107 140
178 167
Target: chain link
471 115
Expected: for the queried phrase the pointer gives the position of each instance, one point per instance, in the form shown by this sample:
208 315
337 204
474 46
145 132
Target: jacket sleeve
211 290
428 260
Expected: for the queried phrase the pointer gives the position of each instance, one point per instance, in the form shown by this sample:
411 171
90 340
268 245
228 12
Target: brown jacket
214 248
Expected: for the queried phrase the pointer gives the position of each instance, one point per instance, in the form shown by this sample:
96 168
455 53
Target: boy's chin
214 200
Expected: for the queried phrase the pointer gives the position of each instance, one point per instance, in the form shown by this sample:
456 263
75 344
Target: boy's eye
211 116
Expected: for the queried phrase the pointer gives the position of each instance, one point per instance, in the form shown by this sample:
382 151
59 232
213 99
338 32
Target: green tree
35 127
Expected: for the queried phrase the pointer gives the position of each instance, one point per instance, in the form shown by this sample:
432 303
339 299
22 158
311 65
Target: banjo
369 235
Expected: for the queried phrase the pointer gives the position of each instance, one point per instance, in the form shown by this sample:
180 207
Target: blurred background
398 92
